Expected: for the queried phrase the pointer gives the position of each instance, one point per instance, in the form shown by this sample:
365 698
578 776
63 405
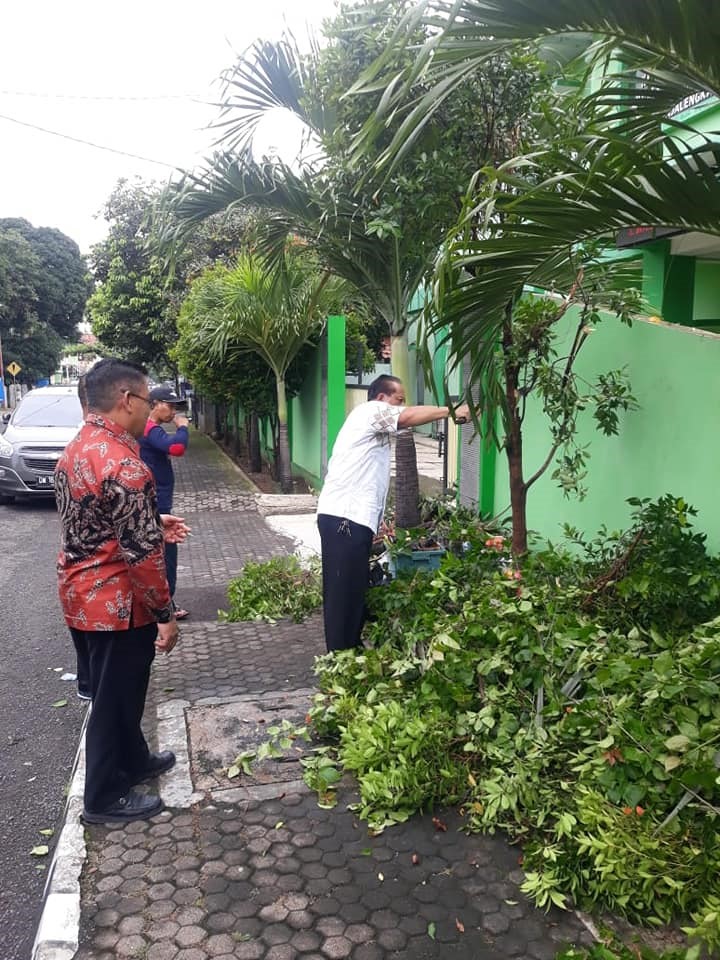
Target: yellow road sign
14 368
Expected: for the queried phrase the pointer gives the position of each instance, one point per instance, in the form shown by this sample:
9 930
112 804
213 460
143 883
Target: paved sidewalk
252 868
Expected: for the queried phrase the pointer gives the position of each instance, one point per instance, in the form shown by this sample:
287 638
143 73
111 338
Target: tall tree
130 308
617 157
380 236
136 302
43 289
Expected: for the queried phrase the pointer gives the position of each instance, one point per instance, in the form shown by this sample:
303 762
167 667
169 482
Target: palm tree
321 199
385 269
270 311
615 158
618 159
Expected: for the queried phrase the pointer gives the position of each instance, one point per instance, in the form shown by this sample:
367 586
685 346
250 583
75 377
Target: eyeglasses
129 393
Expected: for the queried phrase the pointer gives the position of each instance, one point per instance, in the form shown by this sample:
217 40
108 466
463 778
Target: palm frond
269 75
533 233
660 51
303 204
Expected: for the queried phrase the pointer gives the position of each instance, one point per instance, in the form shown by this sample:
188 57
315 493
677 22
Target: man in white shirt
352 502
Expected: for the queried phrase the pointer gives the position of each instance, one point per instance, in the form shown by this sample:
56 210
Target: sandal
181 614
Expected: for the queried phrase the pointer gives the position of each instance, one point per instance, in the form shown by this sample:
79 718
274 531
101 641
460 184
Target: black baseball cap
164 395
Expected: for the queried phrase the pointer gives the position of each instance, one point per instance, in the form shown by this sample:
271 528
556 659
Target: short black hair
82 392
382 384
109 377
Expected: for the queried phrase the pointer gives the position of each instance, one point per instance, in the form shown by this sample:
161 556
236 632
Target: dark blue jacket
156 448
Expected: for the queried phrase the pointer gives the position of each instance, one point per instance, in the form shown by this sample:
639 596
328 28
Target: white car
35 434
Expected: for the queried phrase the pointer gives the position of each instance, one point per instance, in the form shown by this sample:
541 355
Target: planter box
419 561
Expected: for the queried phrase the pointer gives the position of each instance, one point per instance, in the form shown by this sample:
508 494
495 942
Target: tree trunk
518 494
407 481
254 444
514 446
285 472
236 438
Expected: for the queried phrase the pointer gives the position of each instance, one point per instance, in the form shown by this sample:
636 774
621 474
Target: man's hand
181 420
167 637
175 530
462 413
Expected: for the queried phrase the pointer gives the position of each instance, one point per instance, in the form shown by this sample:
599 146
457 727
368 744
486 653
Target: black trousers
115 749
83 663
345 557
171 563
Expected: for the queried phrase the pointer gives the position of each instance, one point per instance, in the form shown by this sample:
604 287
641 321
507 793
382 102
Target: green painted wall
336 361
706 311
670 445
306 409
305 434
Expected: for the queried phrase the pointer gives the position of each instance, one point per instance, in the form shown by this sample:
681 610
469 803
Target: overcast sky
66 65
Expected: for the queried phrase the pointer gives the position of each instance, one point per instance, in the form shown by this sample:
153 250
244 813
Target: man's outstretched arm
417 416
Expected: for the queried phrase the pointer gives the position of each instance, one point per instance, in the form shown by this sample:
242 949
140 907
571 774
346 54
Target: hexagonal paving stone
369 951
392 940
162 930
130 946
305 940
336 948
331 926
163 951
161 891
219 944
383 920
131 925
190 936
275 933
282 951
495 923
274 912
249 951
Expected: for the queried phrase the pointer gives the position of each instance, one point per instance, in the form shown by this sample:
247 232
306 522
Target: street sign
13 368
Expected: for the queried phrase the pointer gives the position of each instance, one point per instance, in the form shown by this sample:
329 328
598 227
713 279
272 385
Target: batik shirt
358 474
111 566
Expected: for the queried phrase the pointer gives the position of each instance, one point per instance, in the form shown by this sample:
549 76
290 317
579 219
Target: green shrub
583 721
278 588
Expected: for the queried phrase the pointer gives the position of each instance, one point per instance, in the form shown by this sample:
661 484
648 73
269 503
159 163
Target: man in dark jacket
157 446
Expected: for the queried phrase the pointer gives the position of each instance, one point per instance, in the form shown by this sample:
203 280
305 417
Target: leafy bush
656 572
277 588
580 712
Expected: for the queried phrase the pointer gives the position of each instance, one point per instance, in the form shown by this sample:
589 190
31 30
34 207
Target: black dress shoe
134 806
157 763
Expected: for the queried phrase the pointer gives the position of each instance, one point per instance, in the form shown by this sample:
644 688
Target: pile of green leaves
273 590
531 697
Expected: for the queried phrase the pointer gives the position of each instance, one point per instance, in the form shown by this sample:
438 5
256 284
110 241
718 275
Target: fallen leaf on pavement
460 925
40 851
439 825
60 703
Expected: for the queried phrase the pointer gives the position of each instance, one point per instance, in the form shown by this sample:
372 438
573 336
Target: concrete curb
58 932
301 528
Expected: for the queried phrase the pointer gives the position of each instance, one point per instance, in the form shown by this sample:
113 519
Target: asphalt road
37 741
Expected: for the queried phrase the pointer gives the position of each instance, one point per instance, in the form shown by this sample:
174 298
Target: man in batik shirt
113 587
